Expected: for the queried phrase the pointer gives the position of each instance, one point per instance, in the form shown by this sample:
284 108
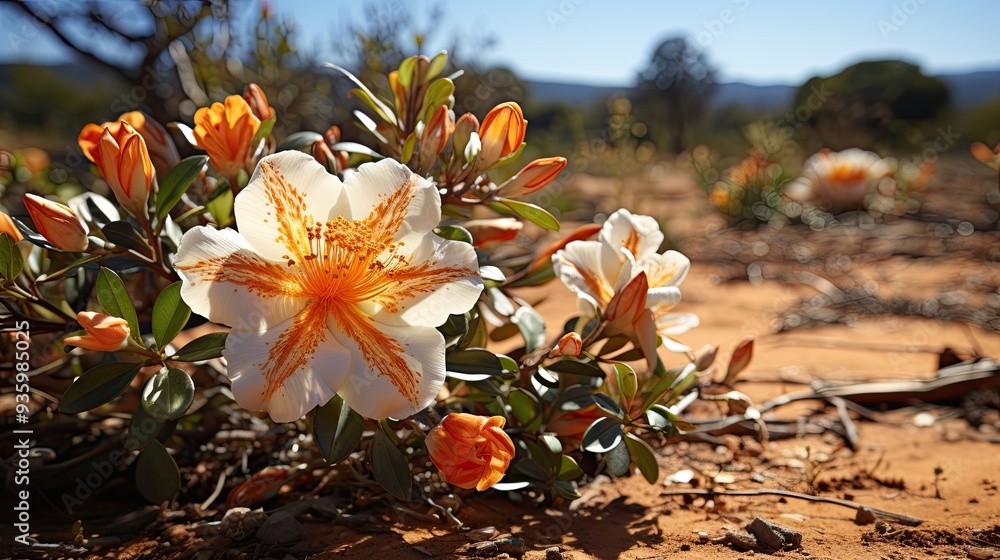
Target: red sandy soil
892 469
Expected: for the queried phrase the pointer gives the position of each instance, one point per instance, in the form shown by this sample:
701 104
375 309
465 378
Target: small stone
774 536
685 547
865 516
977 553
702 537
280 527
240 523
553 553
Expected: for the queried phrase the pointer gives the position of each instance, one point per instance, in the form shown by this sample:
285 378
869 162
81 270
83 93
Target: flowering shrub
356 291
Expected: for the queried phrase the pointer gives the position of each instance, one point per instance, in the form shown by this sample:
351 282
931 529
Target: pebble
240 523
281 527
553 553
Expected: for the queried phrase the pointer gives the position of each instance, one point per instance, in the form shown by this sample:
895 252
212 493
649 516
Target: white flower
622 275
331 288
841 180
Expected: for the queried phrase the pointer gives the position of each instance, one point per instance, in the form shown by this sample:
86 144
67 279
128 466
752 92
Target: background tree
675 88
875 104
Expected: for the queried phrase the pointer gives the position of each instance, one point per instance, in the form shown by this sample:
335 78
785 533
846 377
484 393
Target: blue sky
607 42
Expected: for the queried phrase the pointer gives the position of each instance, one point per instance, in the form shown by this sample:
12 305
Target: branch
898 517
51 25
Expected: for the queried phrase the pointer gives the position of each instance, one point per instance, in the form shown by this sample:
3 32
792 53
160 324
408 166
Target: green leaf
168 394
114 298
564 489
97 386
577 367
389 465
643 457
337 429
663 418
125 235
525 408
528 211
569 469
474 364
628 384
204 347
299 140
156 474
170 314
436 95
11 262
454 233
176 183
618 460
603 435
263 131
663 385
221 207
142 430
408 146
532 327
437 64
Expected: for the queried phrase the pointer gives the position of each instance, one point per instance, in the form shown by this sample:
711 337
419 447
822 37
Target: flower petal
672 324
226 281
578 265
288 192
442 279
289 369
395 371
394 201
668 269
641 235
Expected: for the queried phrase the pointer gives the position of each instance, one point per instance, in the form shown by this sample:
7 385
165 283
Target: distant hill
968 90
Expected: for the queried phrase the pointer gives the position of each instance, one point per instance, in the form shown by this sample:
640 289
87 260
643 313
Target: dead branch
897 517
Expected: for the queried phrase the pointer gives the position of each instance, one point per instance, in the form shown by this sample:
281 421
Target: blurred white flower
840 180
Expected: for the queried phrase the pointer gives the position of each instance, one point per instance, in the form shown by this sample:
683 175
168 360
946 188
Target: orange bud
105 333
569 345
437 132
705 357
496 230
161 147
533 177
626 305
464 127
7 226
470 451
125 164
984 154
226 132
501 133
255 97
57 223
740 360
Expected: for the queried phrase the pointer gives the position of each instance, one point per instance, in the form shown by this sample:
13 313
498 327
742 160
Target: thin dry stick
898 517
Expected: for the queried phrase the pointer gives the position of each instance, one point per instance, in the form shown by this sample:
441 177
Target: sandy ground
892 468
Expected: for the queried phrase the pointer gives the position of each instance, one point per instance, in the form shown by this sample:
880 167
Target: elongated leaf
577 367
176 183
390 467
603 435
114 298
531 325
124 234
368 97
643 457
474 364
299 140
30 235
170 314
97 386
628 384
156 474
204 347
525 408
142 430
528 211
437 64
454 233
263 131
168 394
355 148
337 429
569 469
11 262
